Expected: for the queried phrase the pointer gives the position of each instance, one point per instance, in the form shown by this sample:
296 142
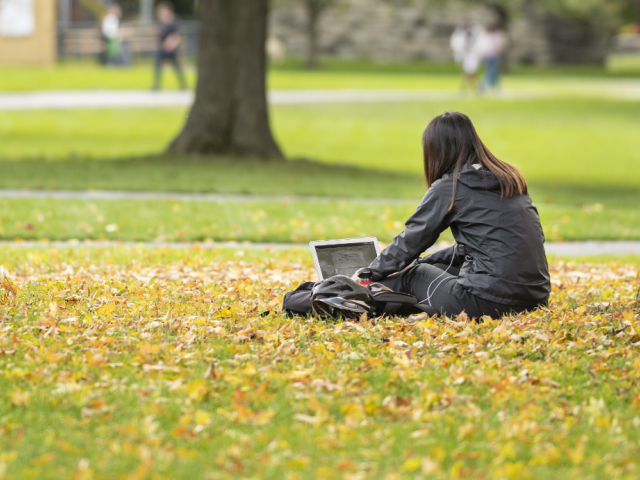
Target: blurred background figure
490 46
276 49
169 41
464 45
114 52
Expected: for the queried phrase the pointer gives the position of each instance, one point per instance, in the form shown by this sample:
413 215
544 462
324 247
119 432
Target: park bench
86 40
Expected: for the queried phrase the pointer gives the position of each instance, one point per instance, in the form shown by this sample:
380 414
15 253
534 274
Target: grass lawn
267 221
170 220
579 157
81 76
552 141
202 174
87 75
333 73
153 363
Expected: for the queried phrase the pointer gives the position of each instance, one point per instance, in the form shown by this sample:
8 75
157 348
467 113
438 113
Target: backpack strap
391 303
298 301
397 303
305 286
394 297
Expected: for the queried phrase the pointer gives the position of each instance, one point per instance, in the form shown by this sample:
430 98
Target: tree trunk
230 113
313 8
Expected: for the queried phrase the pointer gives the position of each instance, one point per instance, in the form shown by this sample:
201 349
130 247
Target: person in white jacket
110 29
490 47
463 43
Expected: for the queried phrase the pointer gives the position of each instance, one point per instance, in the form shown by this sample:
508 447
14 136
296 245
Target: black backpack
298 302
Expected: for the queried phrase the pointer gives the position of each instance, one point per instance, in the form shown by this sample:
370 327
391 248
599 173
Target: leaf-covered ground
154 363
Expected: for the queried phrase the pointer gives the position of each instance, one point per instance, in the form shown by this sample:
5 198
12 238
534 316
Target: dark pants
161 56
445 294
491 73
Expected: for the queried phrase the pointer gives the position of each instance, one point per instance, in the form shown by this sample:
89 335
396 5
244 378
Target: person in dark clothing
169 42
498 264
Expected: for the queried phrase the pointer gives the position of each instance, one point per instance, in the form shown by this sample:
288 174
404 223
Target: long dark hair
451 141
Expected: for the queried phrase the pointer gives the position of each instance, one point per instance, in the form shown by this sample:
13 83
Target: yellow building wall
37 49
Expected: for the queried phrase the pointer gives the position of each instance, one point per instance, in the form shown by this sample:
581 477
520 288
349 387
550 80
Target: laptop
344 256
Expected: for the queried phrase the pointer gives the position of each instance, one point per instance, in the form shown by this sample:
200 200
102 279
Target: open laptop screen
345 259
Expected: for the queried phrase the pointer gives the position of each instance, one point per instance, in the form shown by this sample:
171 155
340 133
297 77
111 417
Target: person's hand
396 273
171 43
355 277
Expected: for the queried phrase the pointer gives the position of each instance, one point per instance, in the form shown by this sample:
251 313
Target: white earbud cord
430 295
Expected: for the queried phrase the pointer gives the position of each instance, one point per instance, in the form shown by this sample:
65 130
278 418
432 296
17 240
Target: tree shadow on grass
302 177
201 174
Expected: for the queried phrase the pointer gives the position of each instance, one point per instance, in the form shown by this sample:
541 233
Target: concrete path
579 249
200 197
568 249
67 100
628 89
138 99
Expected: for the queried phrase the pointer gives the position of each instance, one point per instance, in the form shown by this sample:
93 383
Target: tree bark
314 9
230 113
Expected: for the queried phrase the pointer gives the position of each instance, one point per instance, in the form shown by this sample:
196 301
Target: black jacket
500 243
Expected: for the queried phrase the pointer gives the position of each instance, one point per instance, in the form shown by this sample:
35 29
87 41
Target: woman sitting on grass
498 264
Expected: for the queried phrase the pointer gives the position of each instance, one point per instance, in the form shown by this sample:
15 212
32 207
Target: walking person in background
169 42
463 43
490 46
110 29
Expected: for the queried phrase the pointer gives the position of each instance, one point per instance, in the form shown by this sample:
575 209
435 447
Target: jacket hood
475 176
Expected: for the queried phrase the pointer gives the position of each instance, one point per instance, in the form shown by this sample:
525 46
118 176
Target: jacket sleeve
444 256
422 229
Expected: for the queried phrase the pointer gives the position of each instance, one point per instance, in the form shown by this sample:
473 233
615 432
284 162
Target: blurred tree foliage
131 8
313 11
617 11
185 8
608 13
95 7
597 21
